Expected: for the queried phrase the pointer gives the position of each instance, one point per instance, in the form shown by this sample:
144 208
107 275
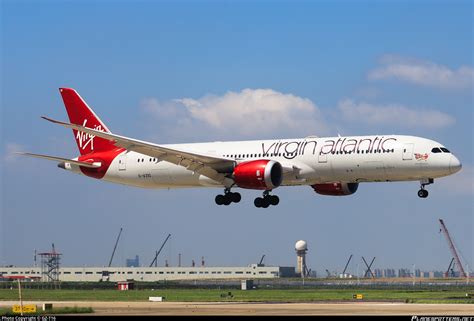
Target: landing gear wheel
274 200
227 200
228 197
235 197
220 199
422 193
266 200
258 202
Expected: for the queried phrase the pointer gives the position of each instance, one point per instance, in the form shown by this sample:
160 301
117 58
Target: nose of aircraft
454 164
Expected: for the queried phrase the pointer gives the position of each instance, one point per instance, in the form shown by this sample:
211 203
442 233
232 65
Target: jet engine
258 174
336 188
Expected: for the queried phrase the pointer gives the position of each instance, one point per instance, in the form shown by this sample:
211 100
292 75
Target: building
132 262
153 274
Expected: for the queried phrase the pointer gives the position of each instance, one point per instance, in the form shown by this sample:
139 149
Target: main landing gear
266 200
228 197
423 193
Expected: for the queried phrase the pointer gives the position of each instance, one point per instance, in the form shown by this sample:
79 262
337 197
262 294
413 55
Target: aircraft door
408 151
322 158
122 162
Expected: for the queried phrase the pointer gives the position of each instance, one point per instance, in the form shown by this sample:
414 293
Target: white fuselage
305 161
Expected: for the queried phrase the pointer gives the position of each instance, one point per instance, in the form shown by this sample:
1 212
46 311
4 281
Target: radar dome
301 245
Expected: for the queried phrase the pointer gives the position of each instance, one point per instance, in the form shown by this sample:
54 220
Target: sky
190 71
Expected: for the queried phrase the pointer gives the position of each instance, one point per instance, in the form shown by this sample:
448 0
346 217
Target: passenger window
436 150
444 149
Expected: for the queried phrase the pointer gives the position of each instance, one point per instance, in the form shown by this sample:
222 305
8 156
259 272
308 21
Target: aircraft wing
65 160
213 167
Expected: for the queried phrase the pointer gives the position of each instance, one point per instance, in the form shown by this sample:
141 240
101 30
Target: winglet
54 121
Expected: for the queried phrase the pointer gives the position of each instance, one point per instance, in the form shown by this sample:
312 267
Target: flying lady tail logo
85 139
421 157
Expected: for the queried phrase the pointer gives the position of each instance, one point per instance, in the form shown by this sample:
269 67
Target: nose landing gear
423 193
266 200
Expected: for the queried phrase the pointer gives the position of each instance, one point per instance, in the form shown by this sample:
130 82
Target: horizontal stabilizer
64 160
212 166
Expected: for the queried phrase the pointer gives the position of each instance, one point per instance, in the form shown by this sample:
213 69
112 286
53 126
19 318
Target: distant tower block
301 248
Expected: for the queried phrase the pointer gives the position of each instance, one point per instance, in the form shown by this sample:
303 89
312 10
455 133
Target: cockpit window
444 149
436 150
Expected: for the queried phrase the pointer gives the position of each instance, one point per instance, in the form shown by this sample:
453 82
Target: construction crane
155 260
105 273
453 249
347 264
329 273
368 267
261 261
450 270
115 247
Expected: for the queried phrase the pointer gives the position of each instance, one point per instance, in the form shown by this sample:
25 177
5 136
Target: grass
259 295
63 310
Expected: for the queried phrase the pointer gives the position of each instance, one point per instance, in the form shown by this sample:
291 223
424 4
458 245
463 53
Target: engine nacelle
336 188
258 174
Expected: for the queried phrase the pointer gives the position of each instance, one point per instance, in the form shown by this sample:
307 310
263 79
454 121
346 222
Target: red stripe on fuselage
105 158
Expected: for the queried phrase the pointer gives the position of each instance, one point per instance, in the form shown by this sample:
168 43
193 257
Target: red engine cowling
258 174
336 188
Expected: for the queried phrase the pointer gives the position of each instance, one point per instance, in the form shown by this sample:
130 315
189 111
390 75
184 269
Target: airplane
330 165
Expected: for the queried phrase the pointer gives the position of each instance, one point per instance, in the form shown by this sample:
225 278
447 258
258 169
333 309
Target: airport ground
336 300
249 308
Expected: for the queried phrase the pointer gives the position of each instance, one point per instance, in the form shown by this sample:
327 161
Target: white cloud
393 114
423 73
160 109
10 150
246 113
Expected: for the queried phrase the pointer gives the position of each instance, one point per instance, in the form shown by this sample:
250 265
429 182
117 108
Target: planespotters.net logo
416 318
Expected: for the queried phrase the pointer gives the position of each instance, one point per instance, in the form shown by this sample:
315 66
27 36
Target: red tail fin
80 114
